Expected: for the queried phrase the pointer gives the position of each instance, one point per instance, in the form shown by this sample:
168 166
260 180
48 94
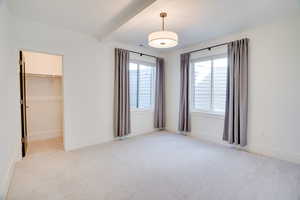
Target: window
209 77
141 85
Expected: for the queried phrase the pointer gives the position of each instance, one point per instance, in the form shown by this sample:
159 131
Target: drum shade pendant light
163 39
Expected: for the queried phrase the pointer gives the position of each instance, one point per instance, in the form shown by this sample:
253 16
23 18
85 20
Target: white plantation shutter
145 86
202 85
209 84
133 78
219 84
141 85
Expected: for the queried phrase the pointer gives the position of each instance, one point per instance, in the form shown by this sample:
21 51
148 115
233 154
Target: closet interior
44 102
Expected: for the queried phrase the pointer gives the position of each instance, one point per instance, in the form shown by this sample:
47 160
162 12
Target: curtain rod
209 48
143 54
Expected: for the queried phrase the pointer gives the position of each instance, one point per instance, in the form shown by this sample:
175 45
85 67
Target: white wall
88 80
274 87
9 102
88 86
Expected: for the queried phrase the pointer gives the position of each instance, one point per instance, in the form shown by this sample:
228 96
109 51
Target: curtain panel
184 124
122 125
235 123
159 107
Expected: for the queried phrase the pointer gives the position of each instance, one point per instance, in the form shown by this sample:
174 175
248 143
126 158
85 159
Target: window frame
149 64
192 82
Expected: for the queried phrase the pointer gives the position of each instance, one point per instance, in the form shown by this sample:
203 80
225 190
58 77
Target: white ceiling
93 17
200 20
130 21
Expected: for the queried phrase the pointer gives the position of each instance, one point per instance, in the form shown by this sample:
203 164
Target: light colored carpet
158 166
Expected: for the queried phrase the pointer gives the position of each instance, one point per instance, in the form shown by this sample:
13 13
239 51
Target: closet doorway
41 92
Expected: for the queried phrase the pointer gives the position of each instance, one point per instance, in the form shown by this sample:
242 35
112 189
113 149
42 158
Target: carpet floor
159 166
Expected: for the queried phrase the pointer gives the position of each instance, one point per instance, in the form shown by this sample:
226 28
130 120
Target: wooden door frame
24 134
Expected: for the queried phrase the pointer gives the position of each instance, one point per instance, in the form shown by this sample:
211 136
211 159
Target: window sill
142 110
208 114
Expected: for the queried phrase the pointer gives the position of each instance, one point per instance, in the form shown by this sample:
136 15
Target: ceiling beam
131 10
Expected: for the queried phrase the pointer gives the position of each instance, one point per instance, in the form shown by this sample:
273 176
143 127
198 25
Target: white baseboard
102 141
5 183
141 132
83 144
279 154
293 157
43 135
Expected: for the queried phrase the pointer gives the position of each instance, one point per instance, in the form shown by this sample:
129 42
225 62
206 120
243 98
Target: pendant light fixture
163 39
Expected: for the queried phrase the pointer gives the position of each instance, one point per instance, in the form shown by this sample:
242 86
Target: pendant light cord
163 15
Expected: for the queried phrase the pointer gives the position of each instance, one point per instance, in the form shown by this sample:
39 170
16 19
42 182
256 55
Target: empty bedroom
149 99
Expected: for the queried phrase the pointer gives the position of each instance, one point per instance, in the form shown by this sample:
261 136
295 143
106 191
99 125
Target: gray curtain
159 108
121 94
235 123
184 110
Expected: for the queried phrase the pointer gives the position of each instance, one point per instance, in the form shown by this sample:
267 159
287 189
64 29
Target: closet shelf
45 98
44 75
